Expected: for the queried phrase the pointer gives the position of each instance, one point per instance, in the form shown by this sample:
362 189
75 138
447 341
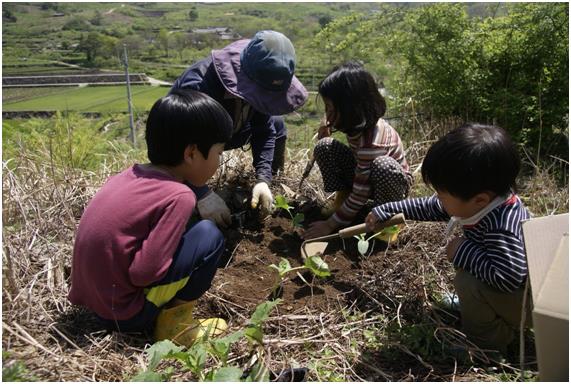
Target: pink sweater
126 240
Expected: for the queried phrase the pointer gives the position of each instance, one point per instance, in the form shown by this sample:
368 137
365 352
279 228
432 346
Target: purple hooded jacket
259 129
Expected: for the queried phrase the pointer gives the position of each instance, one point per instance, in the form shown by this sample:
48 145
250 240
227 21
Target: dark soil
245 277
399 278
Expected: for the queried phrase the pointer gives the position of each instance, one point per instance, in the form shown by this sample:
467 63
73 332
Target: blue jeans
189 276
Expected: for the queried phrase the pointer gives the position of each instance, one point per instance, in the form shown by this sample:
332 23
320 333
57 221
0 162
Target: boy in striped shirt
473 170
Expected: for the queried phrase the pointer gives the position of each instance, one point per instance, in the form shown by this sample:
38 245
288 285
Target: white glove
261 194
213 208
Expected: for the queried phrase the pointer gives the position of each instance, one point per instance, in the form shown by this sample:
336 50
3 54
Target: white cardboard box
547 249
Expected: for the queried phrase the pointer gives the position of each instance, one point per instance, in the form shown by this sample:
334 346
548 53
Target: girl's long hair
355 97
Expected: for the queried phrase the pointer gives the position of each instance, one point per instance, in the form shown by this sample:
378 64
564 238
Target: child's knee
385 165
208 232
465 283
322 146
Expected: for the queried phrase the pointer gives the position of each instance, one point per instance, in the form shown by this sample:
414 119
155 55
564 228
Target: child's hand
324 129
452 247
372 220
318 229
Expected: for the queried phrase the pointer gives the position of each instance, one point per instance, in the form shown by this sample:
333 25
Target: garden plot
372 319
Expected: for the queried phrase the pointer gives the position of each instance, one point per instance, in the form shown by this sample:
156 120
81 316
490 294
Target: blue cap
284 97
269 60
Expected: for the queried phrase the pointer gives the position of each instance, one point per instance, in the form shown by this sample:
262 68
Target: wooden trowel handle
362 228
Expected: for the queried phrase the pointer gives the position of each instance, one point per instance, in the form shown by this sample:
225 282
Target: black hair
183 118
471 159
355 97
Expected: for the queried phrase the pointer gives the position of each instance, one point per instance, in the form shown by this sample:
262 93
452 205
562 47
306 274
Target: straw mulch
365 332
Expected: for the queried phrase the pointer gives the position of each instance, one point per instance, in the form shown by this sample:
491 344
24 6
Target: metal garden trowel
317 245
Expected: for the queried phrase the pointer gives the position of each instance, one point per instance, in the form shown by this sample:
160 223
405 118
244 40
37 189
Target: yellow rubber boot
389 234
179 325
331 207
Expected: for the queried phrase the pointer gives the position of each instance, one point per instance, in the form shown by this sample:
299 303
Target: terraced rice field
83 99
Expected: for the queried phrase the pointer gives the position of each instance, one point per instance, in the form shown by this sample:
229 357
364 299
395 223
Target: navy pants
189 276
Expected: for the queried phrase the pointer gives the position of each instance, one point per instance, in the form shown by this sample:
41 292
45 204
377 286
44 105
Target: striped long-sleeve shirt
493 250
381 140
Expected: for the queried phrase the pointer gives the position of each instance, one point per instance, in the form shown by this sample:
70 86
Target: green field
85 99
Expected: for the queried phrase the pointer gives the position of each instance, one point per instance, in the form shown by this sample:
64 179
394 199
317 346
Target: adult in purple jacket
254 82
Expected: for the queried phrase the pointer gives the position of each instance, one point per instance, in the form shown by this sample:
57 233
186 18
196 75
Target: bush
511 70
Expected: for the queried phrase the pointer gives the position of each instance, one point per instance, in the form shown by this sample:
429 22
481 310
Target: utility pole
131 123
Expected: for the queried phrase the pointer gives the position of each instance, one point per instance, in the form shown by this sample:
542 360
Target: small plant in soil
297 219
314 264
363 241
215 351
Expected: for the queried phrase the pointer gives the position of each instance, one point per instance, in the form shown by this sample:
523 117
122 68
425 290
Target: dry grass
57 342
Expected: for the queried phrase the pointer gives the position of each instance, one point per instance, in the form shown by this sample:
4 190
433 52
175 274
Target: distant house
58 14
223 33
211 30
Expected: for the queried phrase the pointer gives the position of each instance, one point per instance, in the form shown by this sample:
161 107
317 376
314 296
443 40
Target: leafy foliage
215 351
511 70
66 141
14 371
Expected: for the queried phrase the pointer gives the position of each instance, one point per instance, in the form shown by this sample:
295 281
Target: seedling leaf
159 350
227 374
196 358
254 333
363 246
148 376
317 266
281 202
263 311
221 347
283 267
298 219
259 373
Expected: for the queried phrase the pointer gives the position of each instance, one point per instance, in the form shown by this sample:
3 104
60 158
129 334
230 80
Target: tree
134 44
193 14
77 23
181 42
163 39
324 20
47 6
96 45
511 69
7 15
96 19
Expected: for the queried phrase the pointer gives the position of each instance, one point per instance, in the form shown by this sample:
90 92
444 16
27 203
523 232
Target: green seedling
315 264
363 241
281 202
214 351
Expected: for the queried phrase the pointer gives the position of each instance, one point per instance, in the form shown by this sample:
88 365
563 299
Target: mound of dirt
389 271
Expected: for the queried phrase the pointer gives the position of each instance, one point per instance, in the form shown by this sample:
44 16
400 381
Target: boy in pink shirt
136 262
